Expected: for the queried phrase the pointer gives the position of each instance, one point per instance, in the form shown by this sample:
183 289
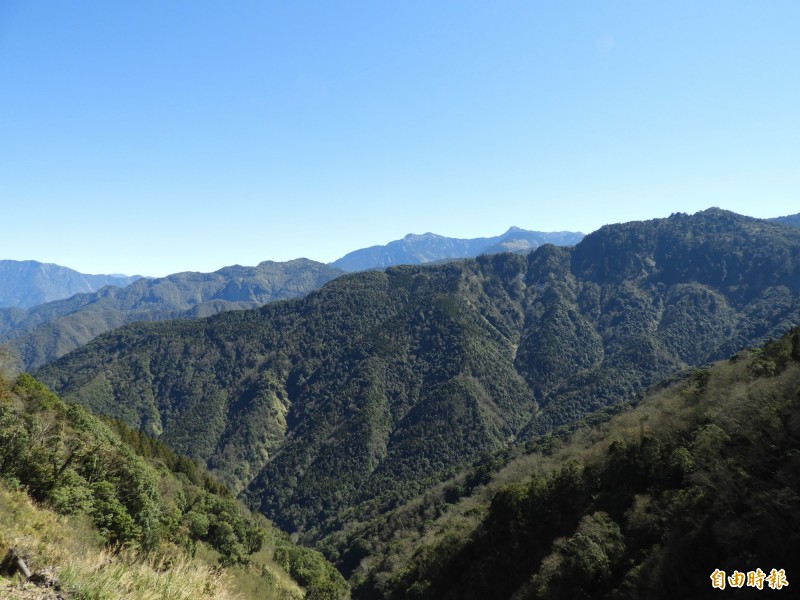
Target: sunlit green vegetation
133 503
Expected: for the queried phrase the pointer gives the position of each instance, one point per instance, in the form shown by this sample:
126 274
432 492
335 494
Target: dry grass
263 578
266 580
126 577
67 547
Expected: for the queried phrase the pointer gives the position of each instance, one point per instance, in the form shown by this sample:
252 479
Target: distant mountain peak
420 236
415 249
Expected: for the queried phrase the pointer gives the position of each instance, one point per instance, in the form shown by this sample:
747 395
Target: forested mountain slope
26 283
430 247
701 475
373 388
127 517
48 331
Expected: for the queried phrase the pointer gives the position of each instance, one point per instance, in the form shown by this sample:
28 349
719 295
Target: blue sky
161 136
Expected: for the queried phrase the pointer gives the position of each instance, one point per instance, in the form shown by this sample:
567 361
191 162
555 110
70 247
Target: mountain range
24 284
27 283
41 333
430 247
335 408
45 332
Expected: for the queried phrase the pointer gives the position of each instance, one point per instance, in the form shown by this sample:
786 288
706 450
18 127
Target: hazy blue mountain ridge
51 330
28 283
38 334
429 247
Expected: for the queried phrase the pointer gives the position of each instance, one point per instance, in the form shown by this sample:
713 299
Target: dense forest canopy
699 477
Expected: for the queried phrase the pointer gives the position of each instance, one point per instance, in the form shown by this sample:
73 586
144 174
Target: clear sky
160 136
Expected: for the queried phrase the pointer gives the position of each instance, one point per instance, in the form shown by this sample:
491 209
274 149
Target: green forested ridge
45 332
139 495
345 404
701 474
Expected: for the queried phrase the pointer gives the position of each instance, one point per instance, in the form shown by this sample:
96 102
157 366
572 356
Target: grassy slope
69 549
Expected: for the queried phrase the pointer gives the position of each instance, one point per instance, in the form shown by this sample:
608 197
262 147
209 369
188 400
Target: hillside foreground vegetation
101 511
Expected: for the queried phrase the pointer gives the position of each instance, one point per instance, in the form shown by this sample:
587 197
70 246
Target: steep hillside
365 393
26 283
702 475
125 516
46 332
429 247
